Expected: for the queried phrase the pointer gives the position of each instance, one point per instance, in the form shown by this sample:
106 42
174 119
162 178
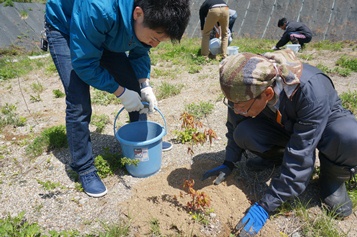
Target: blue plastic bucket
141 140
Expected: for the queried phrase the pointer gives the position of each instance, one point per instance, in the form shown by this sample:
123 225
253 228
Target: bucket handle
146 104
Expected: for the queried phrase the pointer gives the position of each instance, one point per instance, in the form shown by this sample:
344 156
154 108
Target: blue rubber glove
253 221
221 171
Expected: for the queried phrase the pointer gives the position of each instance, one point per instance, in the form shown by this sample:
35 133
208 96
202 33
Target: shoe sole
166 146
97 195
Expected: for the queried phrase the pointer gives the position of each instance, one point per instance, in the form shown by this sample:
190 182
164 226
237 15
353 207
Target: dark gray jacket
305 116
294 27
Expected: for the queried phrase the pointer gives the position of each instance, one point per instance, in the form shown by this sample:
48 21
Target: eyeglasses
225 101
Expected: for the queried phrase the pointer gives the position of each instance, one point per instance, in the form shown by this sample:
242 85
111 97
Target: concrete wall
328 19
18 30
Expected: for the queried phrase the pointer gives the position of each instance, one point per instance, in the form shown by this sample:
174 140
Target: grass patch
311 225
349 101
8 116
18 226
51 138
103 97
346 62
166 90
100 121
327 45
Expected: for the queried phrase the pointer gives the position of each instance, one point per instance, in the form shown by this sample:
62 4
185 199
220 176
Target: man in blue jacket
292 107
106 44
296 32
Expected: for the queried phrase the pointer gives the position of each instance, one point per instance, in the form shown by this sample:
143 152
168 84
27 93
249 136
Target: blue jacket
94 26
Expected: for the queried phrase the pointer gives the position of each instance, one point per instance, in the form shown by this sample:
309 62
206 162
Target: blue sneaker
166 146
93 185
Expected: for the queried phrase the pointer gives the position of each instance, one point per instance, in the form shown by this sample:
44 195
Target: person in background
294 107
296 32
211 12
232 19
88 42
216 31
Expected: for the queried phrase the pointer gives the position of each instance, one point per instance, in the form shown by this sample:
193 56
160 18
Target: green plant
9 3
107 163
37 87
121 229
350 63
24 14
127 161
344 72
18 226
199 110
155 227
48 185
58 94
35 98
312 225
11 67
9 116
327 45
100 121
349 101
166 90
324 68
104 98
49 139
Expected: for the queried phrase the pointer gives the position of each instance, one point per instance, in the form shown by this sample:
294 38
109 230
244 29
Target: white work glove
148 95
131 100
274 48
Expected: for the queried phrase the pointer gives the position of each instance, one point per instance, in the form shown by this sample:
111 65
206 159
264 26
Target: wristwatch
144 84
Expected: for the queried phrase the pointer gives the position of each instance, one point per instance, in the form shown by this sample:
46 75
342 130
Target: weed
51 138
58 94
166 90
104 98
48 185
37 87
35 98
23 14
324 68
100 121
327 45
344 72
107 163
350 63
51 68
155 227
199 110
127 161
12 68
349 101
9 116
18 226
120 229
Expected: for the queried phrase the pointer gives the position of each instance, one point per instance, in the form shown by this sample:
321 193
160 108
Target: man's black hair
170 16
282 21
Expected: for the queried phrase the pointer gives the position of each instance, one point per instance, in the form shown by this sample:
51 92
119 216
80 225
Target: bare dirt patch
141 200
